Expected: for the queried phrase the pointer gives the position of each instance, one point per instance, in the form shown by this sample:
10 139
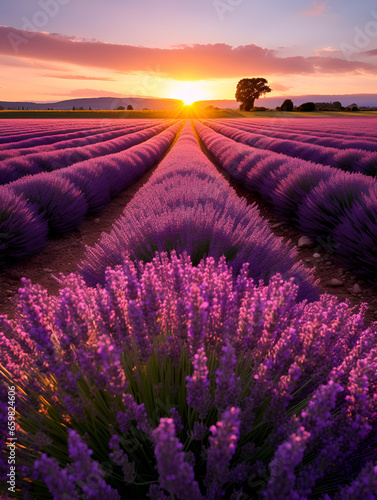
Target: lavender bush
176 381
22 230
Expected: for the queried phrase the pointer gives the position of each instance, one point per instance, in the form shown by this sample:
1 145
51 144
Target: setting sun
189 92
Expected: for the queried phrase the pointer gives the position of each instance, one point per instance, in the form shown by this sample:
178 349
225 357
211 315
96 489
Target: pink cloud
371 53
279 87
211 61
81 93
326 50
317 10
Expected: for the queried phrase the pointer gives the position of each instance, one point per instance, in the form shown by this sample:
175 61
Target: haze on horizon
52 50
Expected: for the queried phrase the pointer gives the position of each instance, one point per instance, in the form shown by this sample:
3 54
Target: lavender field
191 355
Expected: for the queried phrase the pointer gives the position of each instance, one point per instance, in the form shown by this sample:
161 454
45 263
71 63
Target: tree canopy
250 89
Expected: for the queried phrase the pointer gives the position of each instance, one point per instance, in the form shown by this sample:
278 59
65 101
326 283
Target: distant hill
271 102
155 103
102 103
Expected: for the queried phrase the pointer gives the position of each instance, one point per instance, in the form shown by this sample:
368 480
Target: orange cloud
80 77
317 10
196 62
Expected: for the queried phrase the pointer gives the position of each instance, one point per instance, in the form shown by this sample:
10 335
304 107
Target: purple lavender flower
109 357
120 458
61 483
364 487
198 396
223 443
286 458
198 431
227 386
133 412
87 472
177 420
175 475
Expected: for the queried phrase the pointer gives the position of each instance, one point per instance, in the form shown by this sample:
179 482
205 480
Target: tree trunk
249 104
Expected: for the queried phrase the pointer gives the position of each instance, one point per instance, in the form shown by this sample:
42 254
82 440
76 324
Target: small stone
10 292
305 242
317 255
356 288
340 271
327 264
336 282
308 259
97 221
277 225
47 270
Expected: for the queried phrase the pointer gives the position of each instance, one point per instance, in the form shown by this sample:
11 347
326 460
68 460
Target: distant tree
1 107
90 108
120 108
307 106
250 89
23 108
81 108
130 107
337 105
355 108
74 108
146 109
287 105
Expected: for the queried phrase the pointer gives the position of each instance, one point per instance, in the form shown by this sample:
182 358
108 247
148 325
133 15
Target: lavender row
343 142
74 140
322 127
183 381
35 207
57 129
187 206
16 168
338 209
349 159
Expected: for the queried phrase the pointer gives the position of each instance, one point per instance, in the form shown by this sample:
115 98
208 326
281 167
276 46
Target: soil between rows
64 254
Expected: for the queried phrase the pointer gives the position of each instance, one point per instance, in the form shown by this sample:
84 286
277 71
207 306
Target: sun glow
189 92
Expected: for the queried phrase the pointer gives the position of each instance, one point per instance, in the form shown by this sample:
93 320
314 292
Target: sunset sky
59 49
